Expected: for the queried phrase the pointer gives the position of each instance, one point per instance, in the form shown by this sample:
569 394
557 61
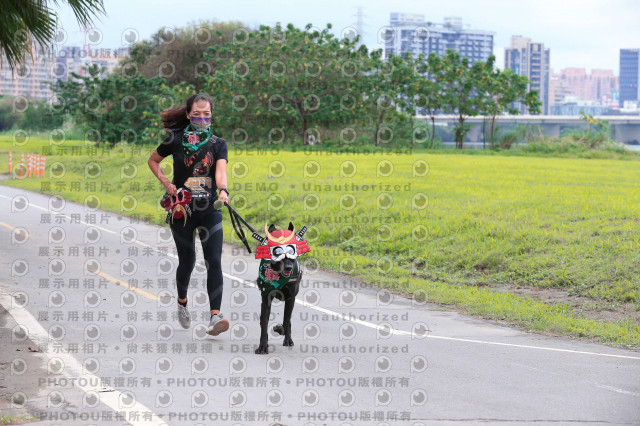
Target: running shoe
184 316
218 324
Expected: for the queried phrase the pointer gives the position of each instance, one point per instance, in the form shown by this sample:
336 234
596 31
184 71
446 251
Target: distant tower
86 48
531 59
360 24
629 76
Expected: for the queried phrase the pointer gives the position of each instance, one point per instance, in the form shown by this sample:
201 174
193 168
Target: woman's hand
171 188
223 196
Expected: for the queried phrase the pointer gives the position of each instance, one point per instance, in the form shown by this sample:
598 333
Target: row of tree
274 82
20 113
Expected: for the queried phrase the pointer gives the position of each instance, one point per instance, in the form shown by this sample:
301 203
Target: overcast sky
585 34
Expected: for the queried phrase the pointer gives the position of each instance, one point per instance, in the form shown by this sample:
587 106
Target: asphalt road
95 292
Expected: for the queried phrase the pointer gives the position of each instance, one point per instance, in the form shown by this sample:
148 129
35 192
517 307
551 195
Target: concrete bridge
625 128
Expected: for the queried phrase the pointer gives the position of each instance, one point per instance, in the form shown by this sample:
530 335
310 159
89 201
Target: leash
237 221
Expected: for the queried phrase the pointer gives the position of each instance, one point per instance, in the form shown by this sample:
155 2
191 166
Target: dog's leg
265 311
286 322
289 302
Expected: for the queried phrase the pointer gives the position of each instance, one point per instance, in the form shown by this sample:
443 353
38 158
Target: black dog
279 277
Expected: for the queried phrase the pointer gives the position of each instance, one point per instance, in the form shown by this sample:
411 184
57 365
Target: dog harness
271 279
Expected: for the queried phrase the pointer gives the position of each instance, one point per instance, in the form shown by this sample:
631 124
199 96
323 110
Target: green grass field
548 244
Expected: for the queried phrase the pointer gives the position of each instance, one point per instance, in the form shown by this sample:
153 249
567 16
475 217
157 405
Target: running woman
198 156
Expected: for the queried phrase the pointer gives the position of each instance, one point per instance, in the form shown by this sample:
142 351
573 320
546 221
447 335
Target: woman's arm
154 165
221 178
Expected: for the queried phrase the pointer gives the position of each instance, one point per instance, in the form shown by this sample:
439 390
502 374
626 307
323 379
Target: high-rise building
599 85
576 80
31 78
531 59
603 85
557 88
108 58
629 76
69 59
411 33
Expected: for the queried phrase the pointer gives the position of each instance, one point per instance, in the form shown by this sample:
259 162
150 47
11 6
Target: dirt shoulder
590 308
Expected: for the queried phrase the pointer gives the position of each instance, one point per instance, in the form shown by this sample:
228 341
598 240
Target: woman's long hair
176 118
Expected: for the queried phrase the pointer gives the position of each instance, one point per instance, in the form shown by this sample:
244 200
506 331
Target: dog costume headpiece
282 243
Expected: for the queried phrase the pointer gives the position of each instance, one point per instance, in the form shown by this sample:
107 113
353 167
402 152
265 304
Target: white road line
378 326
73 369
543 348
611 388
110 231
561 377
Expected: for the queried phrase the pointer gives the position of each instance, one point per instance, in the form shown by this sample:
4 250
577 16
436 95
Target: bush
596 137
572 143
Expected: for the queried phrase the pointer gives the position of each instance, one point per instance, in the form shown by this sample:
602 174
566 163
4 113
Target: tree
410 80
8 116
283 77
38 116
428 90
501 90
109 109
26 21
461 95
178 54
391 86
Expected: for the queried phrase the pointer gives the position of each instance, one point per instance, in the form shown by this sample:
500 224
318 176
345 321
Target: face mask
200 123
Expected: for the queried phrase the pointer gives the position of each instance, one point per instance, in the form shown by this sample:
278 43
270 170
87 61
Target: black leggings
208 224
